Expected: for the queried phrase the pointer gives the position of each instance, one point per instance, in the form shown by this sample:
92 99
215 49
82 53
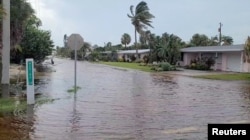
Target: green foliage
228 77
35 44
167 67
168 48
247 50
94 56
199 40
203 40
21 12
141 18
63 51
204 63
126 39
132 57
10 105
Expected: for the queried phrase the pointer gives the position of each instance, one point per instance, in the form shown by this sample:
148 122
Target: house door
233 62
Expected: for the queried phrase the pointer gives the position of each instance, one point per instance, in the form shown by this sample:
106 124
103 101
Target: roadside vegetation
11 105
229 77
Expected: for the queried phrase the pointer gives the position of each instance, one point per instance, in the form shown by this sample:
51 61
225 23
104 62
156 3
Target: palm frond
132 11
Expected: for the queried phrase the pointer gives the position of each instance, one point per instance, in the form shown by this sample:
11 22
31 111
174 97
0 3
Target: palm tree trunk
136 45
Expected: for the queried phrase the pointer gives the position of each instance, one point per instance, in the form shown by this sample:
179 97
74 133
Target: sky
102 21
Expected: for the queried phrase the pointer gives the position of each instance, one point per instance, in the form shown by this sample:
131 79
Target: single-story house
227 58
127 53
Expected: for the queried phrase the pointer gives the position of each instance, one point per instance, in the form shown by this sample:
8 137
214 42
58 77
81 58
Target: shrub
146 59
166 66
139 61
120 60
133 58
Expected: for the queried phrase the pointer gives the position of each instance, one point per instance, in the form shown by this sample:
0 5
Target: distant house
227 58
127 53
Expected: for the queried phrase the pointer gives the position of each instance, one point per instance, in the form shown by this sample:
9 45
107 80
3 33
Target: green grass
9 105
128 65
229 77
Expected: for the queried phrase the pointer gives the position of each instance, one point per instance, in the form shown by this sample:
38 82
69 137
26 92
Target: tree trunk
136 48
6 47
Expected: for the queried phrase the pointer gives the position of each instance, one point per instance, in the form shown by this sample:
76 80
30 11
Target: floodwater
119 104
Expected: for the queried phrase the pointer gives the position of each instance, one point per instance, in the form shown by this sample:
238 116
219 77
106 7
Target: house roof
133 51
230 48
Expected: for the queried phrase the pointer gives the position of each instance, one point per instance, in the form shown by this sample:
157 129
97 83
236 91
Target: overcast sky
102 21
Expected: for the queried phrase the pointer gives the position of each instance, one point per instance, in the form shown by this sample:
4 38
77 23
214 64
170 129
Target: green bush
132 58
120 60
166 66
139 61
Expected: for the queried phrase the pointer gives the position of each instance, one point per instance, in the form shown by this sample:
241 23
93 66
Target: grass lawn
128 65
237 76
9 105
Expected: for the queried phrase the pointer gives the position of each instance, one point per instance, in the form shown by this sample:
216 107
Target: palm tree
140 18
126 39
84 49
227 40
169 48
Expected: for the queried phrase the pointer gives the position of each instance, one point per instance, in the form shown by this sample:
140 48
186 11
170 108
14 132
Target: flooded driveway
114 103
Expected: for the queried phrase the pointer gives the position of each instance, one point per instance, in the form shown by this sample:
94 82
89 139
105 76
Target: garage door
233 61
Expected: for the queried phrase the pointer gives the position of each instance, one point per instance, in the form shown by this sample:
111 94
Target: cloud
105 21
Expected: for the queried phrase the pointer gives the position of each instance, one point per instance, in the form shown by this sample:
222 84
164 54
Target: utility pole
220 34
6 47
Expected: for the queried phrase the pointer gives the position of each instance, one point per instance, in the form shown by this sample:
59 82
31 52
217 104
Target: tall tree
199 40
169 48
36 44
126 39
141 19
6 49
21 11
227 40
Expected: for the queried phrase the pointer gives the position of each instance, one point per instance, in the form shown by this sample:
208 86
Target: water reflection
75 116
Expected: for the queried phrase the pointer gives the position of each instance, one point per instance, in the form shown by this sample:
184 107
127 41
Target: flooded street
119 104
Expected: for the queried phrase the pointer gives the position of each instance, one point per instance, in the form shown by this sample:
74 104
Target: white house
227 58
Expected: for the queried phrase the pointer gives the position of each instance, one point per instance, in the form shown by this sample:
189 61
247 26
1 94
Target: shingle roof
230 48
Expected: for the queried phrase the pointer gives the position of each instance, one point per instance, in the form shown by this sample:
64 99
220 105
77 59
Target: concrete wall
245 67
